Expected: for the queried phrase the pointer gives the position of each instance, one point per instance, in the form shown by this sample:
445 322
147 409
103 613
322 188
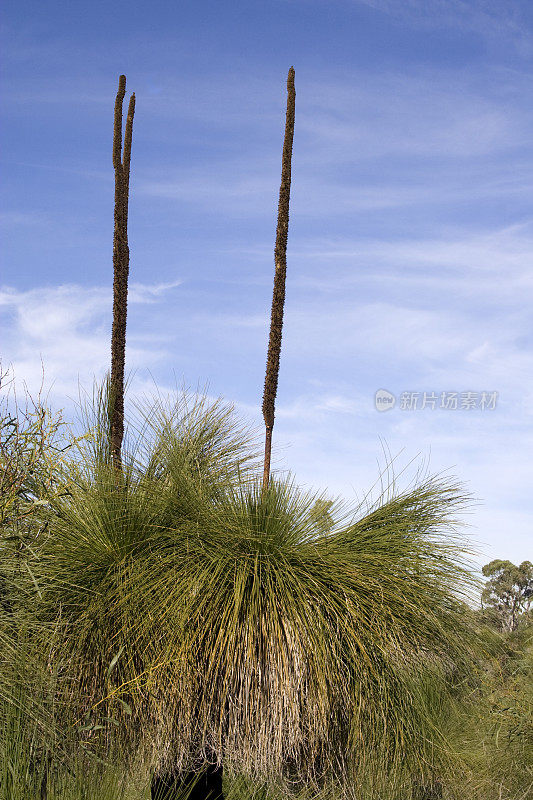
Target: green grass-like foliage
206 620
176 614
494 730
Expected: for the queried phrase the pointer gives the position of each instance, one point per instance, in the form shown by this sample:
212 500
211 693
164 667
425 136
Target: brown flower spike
121 259
278 298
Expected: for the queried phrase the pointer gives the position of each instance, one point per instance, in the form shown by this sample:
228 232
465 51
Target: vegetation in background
507 594
33 446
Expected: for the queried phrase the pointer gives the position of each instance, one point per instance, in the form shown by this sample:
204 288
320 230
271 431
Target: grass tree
218 623
202 619
212 616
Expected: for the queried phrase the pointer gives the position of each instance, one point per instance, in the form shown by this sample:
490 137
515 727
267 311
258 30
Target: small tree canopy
508 590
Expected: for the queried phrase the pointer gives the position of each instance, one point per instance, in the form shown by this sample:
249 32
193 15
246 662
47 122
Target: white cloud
64 332
150 293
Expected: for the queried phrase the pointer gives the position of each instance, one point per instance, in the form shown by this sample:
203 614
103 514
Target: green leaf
114 661
125 706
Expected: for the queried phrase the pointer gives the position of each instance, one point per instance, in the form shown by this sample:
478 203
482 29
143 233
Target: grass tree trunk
278 297
208 785
121 260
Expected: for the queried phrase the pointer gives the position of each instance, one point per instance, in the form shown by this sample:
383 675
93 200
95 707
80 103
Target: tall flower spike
121 259
278 298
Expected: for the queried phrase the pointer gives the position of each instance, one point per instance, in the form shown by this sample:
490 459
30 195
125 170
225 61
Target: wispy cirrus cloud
488 18
372 142
461 263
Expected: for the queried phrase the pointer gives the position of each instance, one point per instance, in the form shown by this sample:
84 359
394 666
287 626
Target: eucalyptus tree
508 591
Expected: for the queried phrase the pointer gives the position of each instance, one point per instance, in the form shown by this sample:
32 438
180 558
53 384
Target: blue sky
411 233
